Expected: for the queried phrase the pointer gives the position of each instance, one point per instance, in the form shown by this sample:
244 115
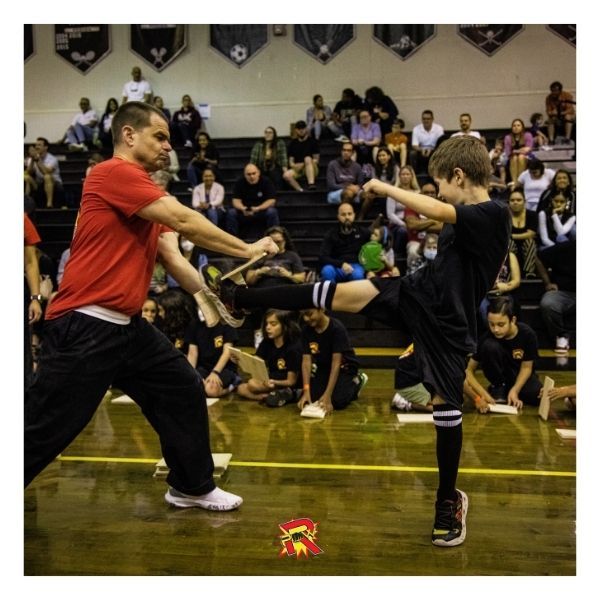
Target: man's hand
347 268
263 245
35 311
514 400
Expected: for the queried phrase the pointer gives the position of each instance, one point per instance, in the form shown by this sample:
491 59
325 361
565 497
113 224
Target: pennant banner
158 45
82 46
566 32
323 42
403 40
238 43
489 38
28 47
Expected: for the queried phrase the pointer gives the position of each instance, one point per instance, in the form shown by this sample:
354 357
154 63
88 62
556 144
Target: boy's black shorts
441 367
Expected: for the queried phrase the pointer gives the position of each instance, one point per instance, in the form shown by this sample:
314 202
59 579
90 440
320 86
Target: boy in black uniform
506 353
437 305
329 365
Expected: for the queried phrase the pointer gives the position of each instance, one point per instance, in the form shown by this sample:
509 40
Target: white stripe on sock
326 285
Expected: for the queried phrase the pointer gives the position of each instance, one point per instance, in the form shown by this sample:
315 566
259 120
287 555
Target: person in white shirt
534 181
424 140
137 88
83 129
207 198
465 127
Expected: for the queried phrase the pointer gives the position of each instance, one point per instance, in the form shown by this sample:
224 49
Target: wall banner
566 32
82 46
238 43
323 42
158 45
403 40
28 43
489 38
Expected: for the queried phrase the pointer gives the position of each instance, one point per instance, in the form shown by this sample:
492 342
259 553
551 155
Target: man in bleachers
42 172
424 139
465 127
82 130
303 157
341 246
254 199
344 175
137 88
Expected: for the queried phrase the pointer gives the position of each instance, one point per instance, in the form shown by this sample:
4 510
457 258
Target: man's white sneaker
401 403
218 500
562 345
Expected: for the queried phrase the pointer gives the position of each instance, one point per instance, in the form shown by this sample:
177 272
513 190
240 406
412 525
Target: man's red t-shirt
32 237
113 250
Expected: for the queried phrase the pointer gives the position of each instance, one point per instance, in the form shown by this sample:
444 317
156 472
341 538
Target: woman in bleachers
563 183
205 157
104 132
524 234
186 122
270 156
407 180
386 170
534 182
207 198
517 146
320 117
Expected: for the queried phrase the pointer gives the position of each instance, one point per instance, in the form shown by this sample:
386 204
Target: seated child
426 253
539 138
330 374
377 255
397 142
282 353
506 353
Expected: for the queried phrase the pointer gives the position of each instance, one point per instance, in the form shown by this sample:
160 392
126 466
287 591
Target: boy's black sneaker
450 526
221 292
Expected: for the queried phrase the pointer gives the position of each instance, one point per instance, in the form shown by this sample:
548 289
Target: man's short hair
556 84
427 111
463 152
300 125
136 115
44 140
465 115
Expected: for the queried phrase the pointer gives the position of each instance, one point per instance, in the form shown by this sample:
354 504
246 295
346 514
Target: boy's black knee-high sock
448 425
287 297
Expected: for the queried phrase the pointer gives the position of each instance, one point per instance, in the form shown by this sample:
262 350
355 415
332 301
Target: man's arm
424 205
32 274
198 229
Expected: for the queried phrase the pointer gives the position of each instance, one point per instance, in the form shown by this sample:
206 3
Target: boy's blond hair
464 152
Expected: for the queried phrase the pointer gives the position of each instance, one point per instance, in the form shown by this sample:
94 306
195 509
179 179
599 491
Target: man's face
252 174
427 120
136 73
40 147
301 133
465 123
347 150
84 104
346 214
151 145
555 91
365 118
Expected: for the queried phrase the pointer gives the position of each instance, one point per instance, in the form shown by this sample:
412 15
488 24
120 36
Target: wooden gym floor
367 481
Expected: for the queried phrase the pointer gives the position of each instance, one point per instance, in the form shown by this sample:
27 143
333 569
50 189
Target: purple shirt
367 135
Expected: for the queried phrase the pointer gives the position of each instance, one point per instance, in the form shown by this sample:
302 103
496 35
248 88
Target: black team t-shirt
210 342
522 348
280 360
470 254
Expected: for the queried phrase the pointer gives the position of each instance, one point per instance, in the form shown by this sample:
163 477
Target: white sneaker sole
463 534
182 502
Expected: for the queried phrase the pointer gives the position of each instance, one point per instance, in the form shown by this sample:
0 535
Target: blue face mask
430 253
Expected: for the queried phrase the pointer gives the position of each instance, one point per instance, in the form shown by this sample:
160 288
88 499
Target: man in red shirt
94 334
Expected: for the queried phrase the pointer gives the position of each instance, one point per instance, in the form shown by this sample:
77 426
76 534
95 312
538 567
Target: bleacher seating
306 215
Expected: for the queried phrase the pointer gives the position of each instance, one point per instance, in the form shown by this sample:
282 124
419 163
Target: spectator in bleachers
465 127
508 280
397 142
270 156
426 254
366 137
341 245
539 137
345 112
82 131
382 108
303 156
560 108
137 89
42 173
498 160
523 234
208 197
386 170
556 223
344 175
407 180
254 199
558 304
159 103
517 146
206 156
104 130
93 160
320 117
563 183
417 226
377 255
186 122
283 268
534 181
150 310
425 137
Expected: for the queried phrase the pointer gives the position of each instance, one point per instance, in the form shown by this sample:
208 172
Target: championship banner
28 47
158 45
489 38
403 40
566 32
82 46
323 42
238 43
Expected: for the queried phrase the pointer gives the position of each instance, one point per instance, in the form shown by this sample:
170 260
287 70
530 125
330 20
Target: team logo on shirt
219 341
298 538
518 353
314 347
281 364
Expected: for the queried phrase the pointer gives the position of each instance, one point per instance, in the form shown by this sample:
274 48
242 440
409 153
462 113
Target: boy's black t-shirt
470 254
522 348
210 342
322 346
281 360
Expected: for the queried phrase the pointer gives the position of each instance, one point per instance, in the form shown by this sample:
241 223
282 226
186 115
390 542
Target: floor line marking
272 465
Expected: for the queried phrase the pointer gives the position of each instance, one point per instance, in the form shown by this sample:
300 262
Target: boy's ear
458 175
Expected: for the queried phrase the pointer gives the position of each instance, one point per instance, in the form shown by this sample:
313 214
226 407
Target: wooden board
250 364
544 408
503 409
567 434
221 461
313 411
415 418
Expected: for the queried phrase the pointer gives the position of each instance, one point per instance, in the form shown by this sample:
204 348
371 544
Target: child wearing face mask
427 252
